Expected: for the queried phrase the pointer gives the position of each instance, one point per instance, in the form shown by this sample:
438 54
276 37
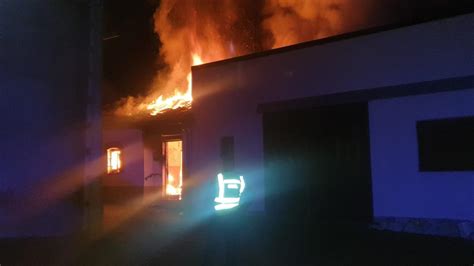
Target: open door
317 164
173 168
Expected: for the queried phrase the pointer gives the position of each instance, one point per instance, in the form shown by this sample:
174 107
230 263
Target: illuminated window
173 169
114 160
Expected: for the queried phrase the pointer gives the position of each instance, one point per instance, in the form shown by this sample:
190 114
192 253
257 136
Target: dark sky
131 61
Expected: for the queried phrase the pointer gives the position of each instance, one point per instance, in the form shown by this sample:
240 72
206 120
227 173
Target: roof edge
365 95
335 38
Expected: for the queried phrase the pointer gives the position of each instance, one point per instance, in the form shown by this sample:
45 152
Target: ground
164 237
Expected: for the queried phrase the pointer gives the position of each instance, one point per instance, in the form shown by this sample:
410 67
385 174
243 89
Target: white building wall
227 94
399 189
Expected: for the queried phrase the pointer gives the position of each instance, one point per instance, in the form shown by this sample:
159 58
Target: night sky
131 59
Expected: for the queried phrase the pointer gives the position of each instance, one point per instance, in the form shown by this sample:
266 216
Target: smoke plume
295 21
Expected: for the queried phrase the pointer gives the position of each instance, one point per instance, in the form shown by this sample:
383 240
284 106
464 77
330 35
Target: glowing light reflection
114 162
224 202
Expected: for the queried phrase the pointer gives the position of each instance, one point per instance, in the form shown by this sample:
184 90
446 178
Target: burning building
354 124
367 127
370 127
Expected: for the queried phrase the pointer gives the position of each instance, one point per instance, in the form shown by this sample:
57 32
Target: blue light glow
229 185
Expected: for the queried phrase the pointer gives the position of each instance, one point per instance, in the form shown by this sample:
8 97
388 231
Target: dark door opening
317 164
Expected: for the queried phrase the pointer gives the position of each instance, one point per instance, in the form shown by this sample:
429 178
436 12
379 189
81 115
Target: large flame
178 100
190 34
194 32
295 21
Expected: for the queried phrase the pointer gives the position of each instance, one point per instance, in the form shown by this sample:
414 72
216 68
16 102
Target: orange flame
178 100
195 32
173 190
190 34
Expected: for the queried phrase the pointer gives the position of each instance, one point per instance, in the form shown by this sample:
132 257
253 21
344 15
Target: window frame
121 166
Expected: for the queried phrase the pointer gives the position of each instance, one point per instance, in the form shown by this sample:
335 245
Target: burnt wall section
44 71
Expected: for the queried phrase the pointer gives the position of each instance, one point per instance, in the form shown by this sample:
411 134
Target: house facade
370 127
341 128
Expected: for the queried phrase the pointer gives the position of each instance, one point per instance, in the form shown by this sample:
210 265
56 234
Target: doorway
317 164
173 168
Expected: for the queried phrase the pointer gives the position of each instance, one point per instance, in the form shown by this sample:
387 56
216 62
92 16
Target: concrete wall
227 94
399 189
44 73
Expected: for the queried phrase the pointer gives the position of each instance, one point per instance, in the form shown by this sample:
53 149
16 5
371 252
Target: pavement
167 237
